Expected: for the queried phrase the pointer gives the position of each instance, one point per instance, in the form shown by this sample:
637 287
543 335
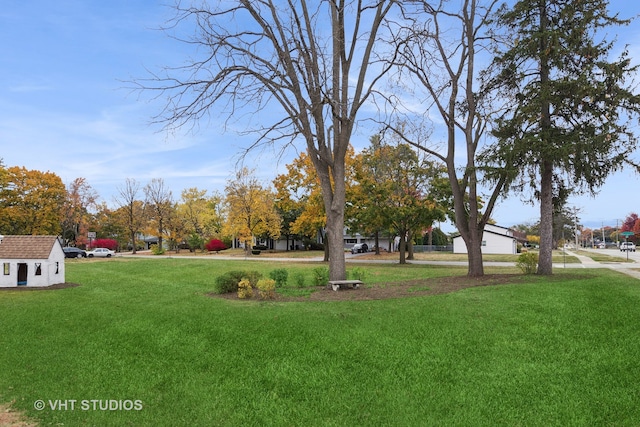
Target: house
31 261
495 240
349 239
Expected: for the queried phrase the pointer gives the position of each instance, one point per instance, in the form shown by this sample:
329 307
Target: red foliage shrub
104 243
215 245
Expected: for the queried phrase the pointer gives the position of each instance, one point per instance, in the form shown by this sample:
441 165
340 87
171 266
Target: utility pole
575 224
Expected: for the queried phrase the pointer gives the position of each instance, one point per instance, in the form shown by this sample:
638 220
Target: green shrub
195 242
299 279
280 275
244 289
266 288
228 282
528 262
157 250
320 276
253 277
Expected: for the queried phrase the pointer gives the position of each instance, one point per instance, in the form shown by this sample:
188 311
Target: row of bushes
230 281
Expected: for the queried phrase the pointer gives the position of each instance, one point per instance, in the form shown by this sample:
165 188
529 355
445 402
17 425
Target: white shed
31 261
495 240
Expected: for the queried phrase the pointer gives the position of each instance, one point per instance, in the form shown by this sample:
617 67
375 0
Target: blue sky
64 107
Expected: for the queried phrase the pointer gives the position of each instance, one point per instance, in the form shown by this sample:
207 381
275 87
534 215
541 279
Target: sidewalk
630 269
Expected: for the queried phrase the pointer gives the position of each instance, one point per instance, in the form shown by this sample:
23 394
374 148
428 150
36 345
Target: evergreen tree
569 112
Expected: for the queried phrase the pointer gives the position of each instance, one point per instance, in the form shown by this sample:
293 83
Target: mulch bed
405 289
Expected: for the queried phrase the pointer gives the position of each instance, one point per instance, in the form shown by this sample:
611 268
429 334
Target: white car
627 246
100 252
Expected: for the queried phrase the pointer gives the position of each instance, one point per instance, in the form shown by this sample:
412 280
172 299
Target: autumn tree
159 204
631 223
131 209
31 202
107 224
175 227
250 209
394 185
299 197
437 57
201 213
567 118
300 189
79 199
289 202
366 201
308 62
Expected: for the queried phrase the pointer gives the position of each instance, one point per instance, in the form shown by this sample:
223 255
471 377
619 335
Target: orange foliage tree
31 202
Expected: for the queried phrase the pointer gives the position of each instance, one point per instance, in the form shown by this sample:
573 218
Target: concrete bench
336 284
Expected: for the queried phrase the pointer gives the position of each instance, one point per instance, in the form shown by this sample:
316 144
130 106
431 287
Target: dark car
71 252
359 248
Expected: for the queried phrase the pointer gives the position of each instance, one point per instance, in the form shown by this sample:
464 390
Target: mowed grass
550 351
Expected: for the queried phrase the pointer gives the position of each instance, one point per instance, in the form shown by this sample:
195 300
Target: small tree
132 211
158 201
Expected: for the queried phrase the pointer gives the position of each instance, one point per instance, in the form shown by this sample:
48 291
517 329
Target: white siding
491 244
52 270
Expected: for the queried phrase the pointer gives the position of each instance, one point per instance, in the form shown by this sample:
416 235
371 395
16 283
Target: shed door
22 274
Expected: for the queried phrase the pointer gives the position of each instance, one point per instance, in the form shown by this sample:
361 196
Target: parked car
71 252
627 246
359 248
100 252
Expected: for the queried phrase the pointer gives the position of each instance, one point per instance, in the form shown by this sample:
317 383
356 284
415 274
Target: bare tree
438 52
158 199
132 208
313 59
79 199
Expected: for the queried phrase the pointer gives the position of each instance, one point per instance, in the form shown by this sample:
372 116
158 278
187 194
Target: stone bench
336 284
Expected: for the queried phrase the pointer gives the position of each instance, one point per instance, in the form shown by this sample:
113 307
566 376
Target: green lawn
548 351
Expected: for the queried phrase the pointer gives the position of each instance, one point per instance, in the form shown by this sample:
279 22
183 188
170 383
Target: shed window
57 267
38 269
6 269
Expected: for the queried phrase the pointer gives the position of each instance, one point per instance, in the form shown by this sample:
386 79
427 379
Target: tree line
391 191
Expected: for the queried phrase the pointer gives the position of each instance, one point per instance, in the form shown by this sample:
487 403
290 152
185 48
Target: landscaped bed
505 350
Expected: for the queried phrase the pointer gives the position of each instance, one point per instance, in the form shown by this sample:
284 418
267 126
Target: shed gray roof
26 247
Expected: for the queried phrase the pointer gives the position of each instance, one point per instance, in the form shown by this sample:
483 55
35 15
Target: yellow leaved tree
300 201
202 215
250 209
31 201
